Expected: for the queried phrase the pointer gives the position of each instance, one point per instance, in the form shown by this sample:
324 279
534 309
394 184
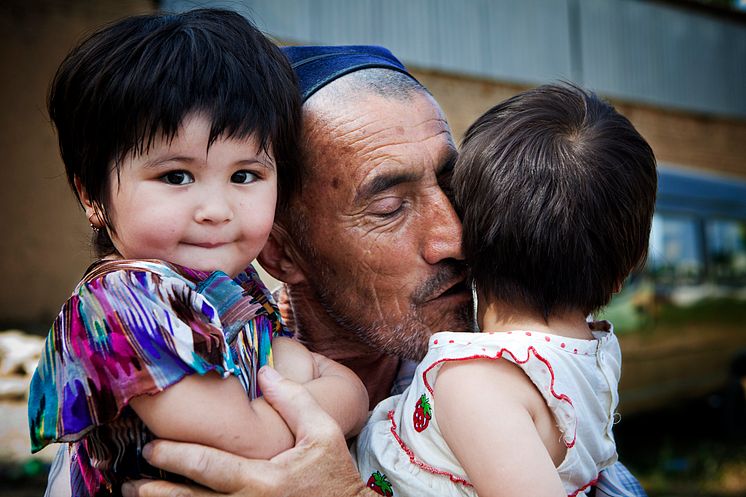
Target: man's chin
453 313
415 333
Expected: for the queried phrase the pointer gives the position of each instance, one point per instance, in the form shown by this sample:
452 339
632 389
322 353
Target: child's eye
178 178
244 177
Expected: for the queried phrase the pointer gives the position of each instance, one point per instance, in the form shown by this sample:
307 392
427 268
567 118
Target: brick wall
694 141
44 243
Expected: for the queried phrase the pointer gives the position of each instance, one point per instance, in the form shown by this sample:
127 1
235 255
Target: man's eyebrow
446 167
383 182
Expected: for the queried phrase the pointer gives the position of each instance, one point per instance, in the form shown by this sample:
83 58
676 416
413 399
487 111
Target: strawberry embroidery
423 412
380 484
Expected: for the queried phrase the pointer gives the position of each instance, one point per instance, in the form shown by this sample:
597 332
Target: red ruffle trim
531 350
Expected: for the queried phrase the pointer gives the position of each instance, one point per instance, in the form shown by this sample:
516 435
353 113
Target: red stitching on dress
559 396
590 483
415 461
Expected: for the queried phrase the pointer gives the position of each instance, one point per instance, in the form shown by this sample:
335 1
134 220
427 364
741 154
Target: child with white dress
178 134
556 191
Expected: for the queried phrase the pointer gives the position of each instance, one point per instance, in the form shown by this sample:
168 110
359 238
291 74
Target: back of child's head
136 80
556 191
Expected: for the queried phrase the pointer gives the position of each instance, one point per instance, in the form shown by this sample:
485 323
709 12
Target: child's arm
486 412
215 411
336 389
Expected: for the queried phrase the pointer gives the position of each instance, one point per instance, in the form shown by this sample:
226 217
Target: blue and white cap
317 66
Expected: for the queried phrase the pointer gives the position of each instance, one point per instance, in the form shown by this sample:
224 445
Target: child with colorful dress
556 191
178 134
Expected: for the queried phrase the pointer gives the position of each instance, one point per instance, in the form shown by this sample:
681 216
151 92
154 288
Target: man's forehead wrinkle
371 151
405 135
382 143
437 156
361 135
332 115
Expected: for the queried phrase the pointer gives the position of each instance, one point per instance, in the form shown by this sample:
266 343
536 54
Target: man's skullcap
317 66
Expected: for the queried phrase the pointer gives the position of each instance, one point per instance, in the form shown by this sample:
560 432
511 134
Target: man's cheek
387 305
391 256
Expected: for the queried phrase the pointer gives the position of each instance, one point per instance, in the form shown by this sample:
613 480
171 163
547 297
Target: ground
693 448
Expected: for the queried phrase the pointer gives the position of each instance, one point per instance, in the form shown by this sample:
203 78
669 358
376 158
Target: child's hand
293 361
337 389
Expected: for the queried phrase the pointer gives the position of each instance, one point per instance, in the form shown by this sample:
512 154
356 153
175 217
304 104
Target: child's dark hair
556 191
135 80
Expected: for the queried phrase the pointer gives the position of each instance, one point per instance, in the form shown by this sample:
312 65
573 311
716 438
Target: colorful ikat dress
135 327
401 451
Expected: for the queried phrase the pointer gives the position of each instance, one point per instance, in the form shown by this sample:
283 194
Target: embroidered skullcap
317 66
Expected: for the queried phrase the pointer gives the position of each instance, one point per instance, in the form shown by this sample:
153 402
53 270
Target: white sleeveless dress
402 453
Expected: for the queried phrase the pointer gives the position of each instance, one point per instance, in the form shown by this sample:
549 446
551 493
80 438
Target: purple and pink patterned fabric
135 327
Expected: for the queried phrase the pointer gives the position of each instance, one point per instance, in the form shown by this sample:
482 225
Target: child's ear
91 211
280 258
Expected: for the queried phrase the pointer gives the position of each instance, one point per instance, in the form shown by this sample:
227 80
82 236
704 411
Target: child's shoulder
104 268
109 280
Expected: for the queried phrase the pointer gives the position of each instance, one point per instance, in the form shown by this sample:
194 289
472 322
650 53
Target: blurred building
677 71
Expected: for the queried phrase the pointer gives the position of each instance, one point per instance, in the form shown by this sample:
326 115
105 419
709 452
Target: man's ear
91 211
280 258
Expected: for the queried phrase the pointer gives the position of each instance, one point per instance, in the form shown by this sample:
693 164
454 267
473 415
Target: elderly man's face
385 241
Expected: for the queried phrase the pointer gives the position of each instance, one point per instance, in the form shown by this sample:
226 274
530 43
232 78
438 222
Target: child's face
207 210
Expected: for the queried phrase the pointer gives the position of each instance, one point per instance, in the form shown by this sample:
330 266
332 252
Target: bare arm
214 411
319 464
334 387
484 414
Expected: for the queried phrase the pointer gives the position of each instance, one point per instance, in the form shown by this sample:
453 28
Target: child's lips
207 245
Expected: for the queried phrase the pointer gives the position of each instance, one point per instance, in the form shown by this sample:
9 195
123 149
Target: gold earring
95 228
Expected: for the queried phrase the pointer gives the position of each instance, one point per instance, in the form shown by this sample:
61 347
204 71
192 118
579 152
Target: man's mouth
457 288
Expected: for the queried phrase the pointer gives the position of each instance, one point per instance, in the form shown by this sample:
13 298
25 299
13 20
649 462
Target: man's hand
319 464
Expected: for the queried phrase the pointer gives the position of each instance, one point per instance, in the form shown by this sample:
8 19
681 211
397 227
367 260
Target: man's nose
214 208
442 232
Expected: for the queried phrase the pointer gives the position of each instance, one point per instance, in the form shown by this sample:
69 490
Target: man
370 251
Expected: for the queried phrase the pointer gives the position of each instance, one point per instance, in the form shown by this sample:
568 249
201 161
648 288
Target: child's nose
215 210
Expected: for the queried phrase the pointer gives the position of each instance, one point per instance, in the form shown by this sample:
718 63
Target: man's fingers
207 466
297 407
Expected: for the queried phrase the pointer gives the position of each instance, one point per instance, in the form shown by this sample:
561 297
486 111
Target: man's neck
320 333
